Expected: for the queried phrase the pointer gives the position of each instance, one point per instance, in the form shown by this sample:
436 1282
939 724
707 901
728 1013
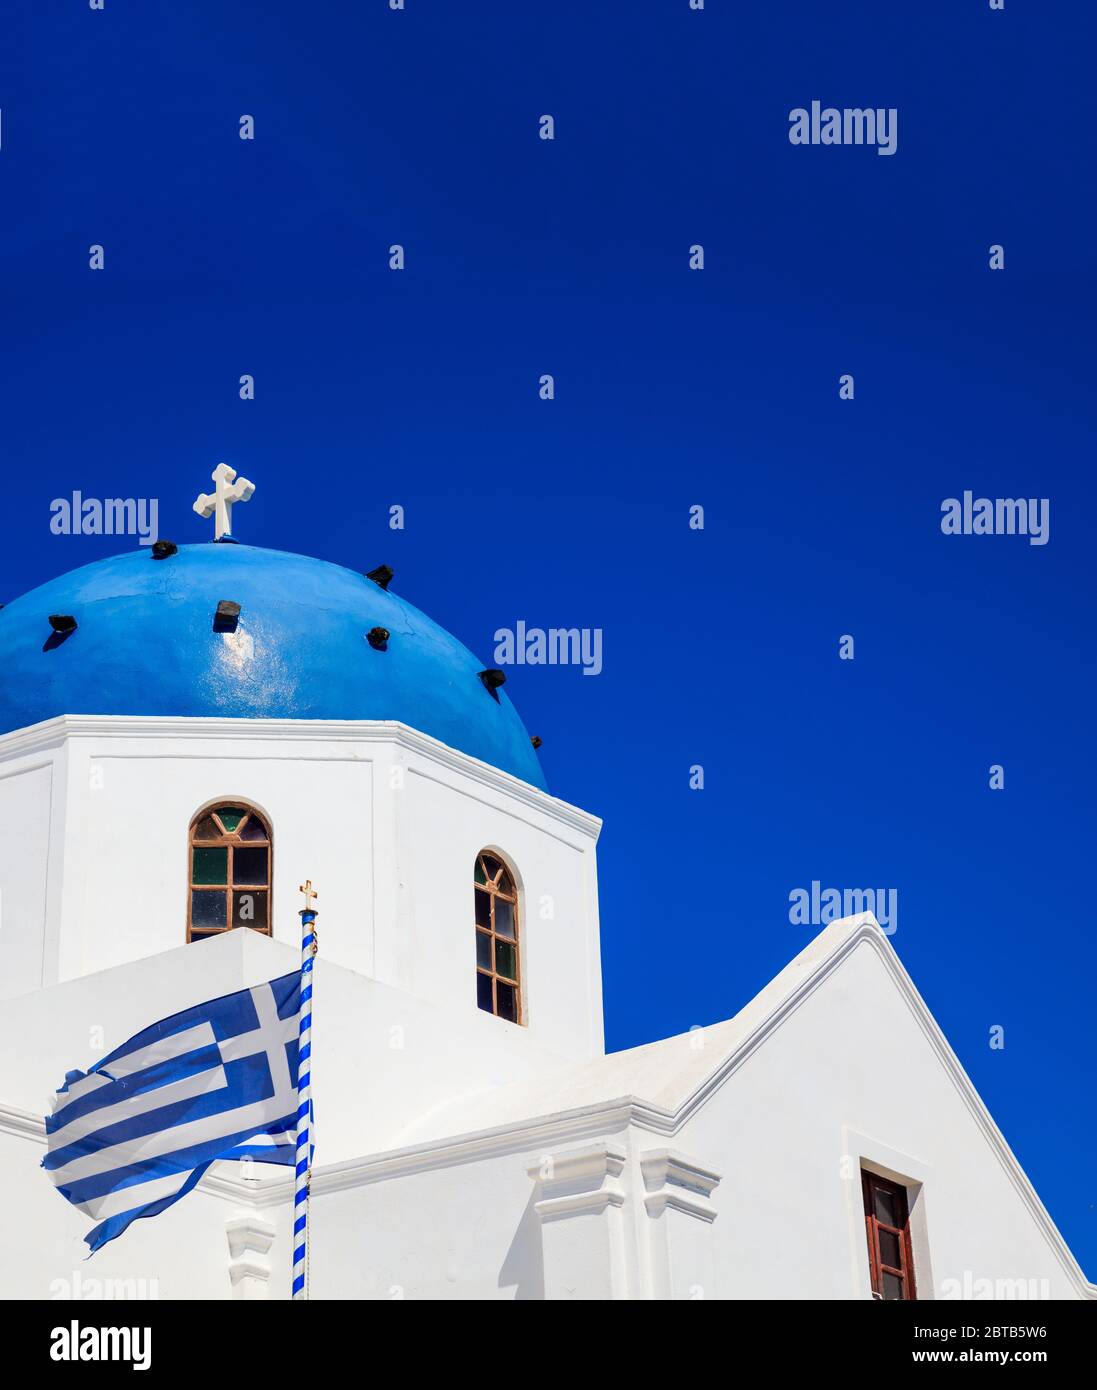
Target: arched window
229 858
498 982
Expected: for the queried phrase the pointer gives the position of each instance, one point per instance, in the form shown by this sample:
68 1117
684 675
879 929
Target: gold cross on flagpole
307 889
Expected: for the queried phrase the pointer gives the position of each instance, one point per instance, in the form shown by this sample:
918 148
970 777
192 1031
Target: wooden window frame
230 841
494 890
873 1226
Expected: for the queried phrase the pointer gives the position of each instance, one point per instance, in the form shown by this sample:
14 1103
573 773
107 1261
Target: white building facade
473 1140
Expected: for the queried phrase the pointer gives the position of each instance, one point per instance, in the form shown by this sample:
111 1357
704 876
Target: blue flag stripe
248 1081
162 1074
158 1165
115 1225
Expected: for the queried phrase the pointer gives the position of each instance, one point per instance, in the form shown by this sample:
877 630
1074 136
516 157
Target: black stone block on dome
227 616
64 625
493 678
382 576
378 638
161 550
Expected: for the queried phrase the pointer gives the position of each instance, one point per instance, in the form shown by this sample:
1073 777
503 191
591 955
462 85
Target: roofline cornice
51 733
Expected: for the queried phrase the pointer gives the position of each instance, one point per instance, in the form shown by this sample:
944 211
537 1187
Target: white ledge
669 1168
659 1202
249 1233
578 1204
249 1269
51 733
591 1163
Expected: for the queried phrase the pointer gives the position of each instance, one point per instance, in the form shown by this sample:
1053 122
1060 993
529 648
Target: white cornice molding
24 1124
590 1163
249 1235
579 1203
249 1279
52 733
663 1167
674 1182
578 1181
667 1199
223 1181
537 1134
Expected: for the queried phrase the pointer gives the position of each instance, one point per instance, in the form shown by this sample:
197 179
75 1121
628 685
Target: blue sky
673 388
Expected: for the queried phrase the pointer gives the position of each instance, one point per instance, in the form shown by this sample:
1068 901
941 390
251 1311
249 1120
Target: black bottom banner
84 1338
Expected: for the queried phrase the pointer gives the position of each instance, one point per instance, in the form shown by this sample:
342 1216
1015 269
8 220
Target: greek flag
135 1133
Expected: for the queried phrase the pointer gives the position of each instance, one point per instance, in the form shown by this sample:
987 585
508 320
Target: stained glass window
498 987
229 859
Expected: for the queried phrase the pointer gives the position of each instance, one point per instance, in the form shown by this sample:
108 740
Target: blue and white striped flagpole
303 1171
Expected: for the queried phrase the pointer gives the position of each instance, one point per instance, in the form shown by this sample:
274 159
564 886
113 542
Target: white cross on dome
218 504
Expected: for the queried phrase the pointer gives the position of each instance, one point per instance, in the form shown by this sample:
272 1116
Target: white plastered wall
851 1075
386 823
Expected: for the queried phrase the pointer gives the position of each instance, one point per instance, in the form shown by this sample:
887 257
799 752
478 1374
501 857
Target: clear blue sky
673 388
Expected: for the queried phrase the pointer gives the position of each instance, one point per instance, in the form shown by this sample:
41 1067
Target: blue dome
145 644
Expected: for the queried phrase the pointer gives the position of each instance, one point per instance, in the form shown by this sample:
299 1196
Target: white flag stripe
190 1086
78 1089
274 1041
168 1141
139 1193
275 1033
162 1050
136 1195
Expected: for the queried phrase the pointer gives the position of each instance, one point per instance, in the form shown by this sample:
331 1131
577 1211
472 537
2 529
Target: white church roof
663 1077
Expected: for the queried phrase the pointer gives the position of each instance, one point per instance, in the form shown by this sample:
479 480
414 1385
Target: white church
186 734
